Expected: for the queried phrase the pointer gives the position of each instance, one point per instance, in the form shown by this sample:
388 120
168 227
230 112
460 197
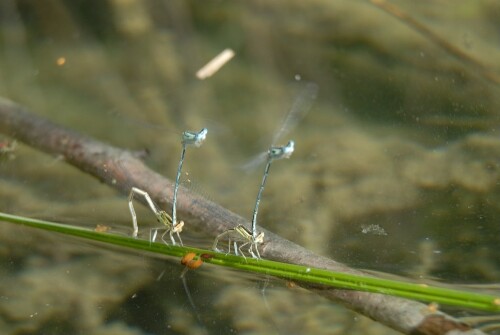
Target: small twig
121 170
468 60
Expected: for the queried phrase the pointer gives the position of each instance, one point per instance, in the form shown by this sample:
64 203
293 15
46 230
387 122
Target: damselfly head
284 151
288 149
194 138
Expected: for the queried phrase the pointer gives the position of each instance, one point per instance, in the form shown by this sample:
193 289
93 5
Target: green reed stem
282 270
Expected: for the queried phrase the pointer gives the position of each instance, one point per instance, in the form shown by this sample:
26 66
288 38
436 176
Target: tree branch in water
120 169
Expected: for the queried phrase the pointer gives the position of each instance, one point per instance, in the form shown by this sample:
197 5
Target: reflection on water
402 137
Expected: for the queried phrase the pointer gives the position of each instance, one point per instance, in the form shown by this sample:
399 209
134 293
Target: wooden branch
121 170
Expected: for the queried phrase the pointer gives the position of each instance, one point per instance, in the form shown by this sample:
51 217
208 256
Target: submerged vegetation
395 169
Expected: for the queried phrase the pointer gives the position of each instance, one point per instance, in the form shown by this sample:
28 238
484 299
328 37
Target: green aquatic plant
292 272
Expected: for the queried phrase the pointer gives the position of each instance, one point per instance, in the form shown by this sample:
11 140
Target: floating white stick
215 64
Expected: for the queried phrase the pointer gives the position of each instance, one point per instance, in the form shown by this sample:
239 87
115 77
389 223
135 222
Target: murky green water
396 165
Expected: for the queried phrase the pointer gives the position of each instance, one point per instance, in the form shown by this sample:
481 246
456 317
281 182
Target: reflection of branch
121 170
448 47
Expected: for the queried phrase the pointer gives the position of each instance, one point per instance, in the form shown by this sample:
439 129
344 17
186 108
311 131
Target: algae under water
402 136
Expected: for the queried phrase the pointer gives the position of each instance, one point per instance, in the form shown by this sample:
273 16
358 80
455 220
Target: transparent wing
301 106
254 162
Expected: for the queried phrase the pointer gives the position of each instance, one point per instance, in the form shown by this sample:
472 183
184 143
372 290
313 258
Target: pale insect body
241 234
188 138
161 216
170 224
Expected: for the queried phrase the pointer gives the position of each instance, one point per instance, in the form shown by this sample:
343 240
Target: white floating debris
374 229
215 64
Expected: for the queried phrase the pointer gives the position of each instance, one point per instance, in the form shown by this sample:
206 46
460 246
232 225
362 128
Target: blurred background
396 167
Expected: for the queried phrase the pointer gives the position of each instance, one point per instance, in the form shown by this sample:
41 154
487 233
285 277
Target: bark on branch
121 170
